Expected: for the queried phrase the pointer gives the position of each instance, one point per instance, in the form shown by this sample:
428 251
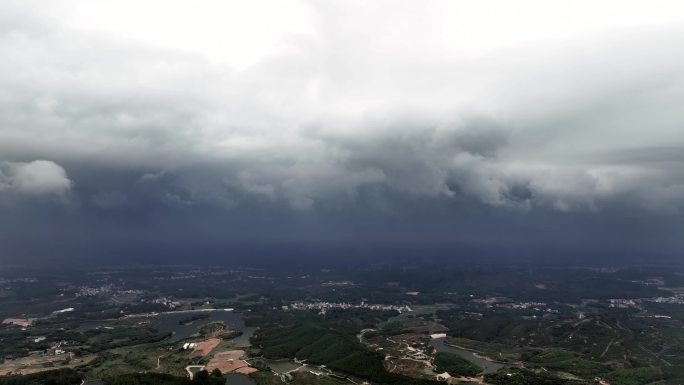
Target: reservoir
486 365
170 322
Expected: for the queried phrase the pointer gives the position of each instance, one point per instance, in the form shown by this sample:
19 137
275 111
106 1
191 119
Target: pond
281 366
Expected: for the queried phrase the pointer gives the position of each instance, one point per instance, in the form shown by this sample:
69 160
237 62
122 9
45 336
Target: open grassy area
560 360
298 378
529 377
42 362
635 376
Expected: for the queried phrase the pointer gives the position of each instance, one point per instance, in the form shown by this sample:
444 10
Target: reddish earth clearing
230 362
205 347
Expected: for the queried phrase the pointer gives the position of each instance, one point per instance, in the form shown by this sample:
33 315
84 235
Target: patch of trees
193 318
323 345
200 378
558 359
51 377
99 340
528 377
637 376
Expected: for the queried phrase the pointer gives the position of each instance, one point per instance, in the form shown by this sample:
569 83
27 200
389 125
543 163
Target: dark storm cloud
107 139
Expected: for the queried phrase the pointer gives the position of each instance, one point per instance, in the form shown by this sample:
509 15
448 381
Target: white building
443 377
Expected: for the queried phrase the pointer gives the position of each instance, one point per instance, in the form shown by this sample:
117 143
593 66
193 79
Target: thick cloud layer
370 116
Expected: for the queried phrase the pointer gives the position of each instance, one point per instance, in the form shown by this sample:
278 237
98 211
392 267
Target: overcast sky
551 128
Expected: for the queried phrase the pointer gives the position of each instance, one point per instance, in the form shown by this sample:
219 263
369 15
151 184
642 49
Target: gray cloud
263 137
109 199
351 121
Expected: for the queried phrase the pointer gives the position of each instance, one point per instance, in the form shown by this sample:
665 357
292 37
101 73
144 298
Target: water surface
281 366
238 379
169 323
486 365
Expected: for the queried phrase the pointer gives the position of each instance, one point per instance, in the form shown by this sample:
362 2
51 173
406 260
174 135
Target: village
324 306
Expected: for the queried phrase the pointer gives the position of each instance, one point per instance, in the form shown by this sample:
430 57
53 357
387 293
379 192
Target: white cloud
39 177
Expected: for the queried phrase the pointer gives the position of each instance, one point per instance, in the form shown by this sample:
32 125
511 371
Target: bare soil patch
229 362
205 347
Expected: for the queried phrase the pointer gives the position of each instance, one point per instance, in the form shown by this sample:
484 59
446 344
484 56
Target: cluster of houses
165 301
624 303
104 290
57 349
323 306
677 299
21 322
621 303
86 291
